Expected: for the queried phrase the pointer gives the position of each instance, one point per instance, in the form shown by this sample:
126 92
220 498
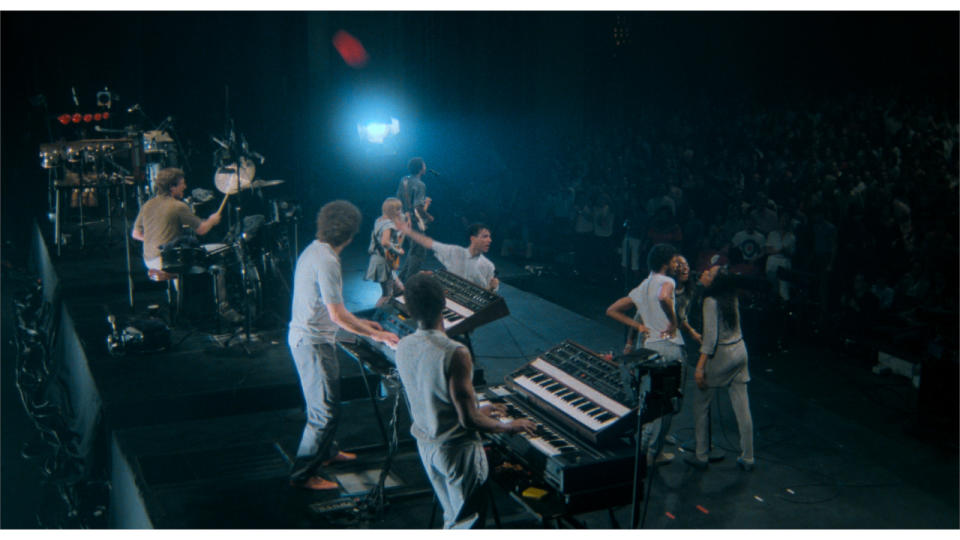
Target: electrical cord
39 390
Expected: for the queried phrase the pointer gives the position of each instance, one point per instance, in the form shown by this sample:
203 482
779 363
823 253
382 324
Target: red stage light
88 117
76 118
97 117
106 115
64 119
350 49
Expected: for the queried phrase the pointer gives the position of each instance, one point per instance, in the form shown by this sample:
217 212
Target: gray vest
423 360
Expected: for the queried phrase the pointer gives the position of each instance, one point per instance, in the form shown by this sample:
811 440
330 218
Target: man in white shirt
316 314
656 320
466 262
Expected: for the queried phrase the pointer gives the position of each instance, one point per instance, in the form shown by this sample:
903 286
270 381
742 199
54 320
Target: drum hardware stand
126 242
83 228
52 179
124 172
216 271
374 502
57 228
244 274
293 250
376 499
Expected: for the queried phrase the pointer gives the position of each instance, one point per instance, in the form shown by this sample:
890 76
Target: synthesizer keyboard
586 477
392 319
583 389
467 306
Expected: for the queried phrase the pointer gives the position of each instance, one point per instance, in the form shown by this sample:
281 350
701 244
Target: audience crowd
847 206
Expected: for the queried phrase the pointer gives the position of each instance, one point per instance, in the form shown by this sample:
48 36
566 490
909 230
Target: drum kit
257 253
91 177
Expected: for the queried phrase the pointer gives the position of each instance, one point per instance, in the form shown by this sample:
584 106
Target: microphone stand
176 139
637 376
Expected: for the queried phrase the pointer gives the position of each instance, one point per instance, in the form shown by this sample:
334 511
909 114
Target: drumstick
225 197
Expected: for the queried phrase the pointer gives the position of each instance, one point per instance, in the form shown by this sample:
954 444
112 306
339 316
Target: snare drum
184 260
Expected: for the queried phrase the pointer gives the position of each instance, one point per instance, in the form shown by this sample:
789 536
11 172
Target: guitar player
412 192
385 251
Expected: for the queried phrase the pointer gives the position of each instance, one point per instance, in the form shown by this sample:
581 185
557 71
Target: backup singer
161 219
723 363
436 374
316 314
385 250
466 262
656 319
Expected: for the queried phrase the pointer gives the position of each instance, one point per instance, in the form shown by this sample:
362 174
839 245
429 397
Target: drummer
161 219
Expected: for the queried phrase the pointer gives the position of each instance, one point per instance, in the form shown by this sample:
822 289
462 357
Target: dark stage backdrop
478 94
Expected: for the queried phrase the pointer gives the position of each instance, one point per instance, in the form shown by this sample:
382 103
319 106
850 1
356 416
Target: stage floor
200 436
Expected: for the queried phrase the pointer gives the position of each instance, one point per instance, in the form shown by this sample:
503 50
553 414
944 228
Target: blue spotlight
377 132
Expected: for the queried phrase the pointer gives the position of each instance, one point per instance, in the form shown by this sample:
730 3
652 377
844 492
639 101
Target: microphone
76 101
433 172
259 157
133 109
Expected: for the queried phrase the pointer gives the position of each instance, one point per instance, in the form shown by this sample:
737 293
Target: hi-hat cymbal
266 183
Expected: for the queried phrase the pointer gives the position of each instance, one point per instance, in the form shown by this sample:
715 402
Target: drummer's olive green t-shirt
161 220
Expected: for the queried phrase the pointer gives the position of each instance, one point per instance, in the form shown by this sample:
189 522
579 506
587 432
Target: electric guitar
393 254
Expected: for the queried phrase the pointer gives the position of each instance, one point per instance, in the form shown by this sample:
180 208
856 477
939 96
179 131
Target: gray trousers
726 356
457 473
653 433
319 372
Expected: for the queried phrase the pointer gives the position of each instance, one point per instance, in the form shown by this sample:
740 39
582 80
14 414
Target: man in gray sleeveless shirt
436 373
317 313
656 319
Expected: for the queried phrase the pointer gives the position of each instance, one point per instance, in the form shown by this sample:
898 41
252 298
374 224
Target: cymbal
266 183
228 180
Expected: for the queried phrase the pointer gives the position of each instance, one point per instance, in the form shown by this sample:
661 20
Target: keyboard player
317 313
466 262
436 373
